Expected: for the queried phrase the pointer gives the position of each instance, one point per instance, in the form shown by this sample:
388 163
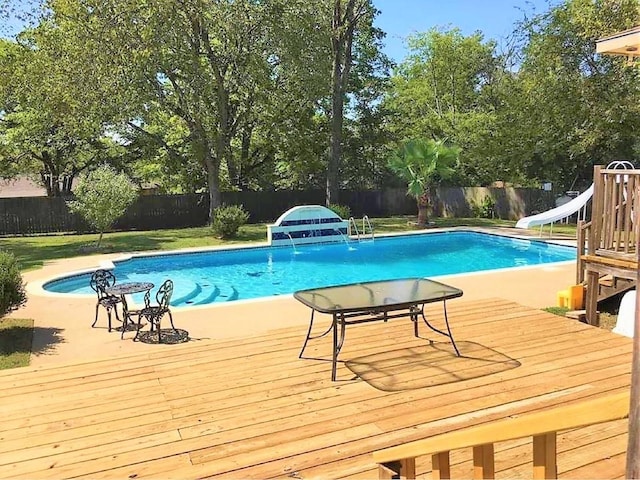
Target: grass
608 313
15 342
34 251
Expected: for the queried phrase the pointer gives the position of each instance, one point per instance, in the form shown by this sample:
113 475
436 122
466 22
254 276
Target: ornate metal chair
154 313
100 281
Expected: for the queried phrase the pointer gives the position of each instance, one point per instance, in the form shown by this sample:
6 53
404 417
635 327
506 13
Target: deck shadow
429 365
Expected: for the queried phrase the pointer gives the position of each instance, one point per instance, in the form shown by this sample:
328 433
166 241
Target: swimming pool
244 273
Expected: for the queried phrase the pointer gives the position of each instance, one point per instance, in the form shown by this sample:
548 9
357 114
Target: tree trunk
423 210
343 25
337 104
335 151
213 181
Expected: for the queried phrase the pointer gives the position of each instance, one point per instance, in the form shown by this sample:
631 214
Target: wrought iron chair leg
96 319
138 327
171 320
125 322
157 321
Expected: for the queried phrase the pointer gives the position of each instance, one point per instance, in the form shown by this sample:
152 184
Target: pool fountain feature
306 224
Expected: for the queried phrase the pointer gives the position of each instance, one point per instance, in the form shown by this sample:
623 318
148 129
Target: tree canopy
213 95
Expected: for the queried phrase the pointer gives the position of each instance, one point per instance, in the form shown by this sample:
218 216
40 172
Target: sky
496 19
400 18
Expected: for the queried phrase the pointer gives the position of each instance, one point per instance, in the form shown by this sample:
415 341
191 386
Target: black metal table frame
124 289
373 315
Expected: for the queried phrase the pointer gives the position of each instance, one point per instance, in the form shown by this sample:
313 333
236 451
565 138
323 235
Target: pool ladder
366 227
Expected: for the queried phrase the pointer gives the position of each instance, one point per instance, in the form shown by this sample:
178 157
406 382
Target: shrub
102 196
343 211
12 293
486 208
227 219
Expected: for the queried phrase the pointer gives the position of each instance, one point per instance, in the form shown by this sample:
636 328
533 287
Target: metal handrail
365 223
352 221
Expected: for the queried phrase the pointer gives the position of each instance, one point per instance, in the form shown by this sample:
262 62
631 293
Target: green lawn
32 252
15 342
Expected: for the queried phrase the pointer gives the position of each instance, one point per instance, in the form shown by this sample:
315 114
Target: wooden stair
609 286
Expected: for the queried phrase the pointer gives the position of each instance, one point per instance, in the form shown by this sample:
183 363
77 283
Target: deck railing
400 461
608 244
615 206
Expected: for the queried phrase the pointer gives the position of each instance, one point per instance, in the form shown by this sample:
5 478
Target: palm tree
423 164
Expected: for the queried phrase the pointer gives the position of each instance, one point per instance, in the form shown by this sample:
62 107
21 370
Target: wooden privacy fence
33 215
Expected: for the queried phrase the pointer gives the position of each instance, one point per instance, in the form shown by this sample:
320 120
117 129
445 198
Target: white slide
558 213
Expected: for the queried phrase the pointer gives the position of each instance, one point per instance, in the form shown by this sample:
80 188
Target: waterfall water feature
293 244
344 239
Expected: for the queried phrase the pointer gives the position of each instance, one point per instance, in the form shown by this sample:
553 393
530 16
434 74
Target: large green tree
446 89
45 131
214 66
574 108
348 17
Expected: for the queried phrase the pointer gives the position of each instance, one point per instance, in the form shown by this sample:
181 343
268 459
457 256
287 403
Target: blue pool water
238 274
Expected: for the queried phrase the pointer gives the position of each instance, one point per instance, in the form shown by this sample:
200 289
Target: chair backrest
163 296
100 280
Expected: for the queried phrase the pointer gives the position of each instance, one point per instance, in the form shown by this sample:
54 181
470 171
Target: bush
343 211
486 208
227 219
12 293
102 196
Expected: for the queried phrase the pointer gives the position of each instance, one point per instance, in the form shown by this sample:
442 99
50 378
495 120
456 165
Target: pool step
202 293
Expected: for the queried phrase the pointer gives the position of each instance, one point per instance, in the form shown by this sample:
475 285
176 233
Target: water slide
558 213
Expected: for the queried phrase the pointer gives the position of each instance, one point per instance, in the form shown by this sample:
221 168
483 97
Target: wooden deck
249 408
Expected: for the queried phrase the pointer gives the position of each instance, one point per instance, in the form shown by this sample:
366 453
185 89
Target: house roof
625 43
21 187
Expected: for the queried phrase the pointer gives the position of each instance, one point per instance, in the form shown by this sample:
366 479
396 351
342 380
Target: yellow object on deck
572 298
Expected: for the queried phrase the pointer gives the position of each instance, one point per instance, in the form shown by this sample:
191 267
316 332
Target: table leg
309 337
125 315
413 310
446 321
335 347
337 342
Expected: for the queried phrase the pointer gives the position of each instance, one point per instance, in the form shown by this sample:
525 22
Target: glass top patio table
367 296
371 301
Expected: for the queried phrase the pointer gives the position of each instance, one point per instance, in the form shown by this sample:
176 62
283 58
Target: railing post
402 469
544 456
483 463
591 303
440 466
580 243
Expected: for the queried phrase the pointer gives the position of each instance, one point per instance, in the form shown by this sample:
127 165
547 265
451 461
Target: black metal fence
33 215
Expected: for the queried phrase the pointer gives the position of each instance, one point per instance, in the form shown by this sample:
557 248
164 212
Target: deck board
250 408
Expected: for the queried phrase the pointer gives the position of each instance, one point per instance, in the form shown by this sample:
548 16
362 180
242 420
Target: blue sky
400 18
495 18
